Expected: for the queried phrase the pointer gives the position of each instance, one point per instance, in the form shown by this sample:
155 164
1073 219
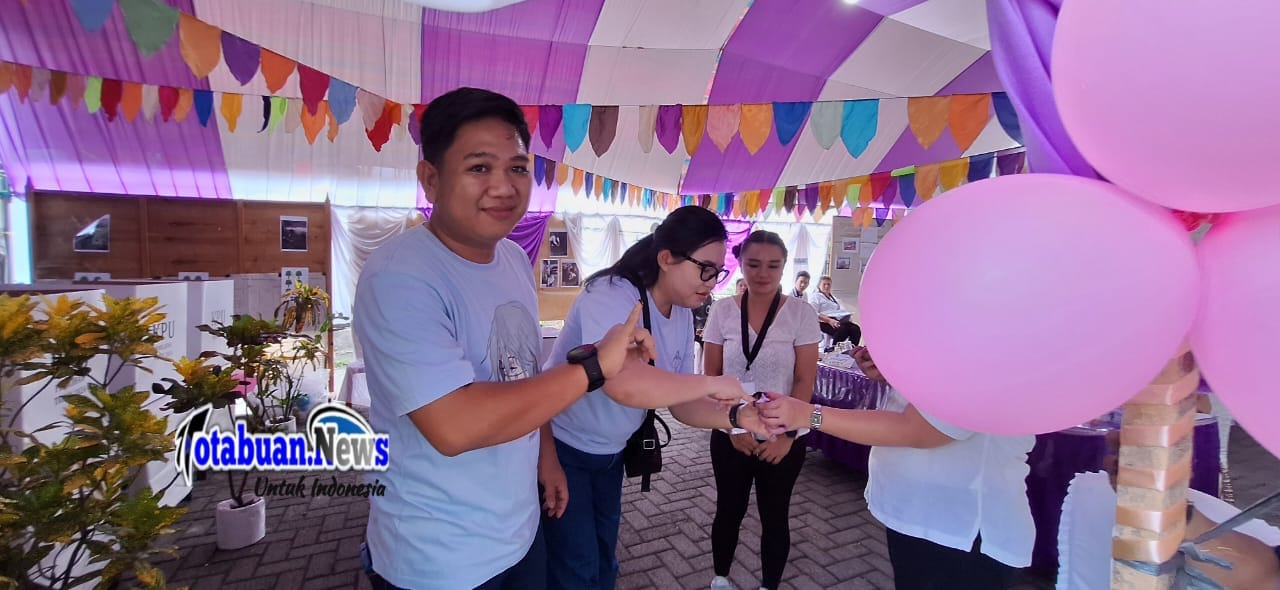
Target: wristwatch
585 356
815 419
733 415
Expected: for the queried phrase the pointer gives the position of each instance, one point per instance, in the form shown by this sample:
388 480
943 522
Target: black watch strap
733 416
595 376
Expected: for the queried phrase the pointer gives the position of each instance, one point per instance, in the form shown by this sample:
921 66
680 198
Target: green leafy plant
76 497
304 306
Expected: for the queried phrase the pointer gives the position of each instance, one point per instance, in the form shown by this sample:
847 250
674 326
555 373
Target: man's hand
750 420
727 391
783 412
774 451
555 488
745 443
867 364
834 323
621 340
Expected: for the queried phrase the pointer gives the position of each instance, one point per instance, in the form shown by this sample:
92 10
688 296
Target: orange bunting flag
722 124
693 126
562 173
381 132
928 116
954 172
757 122
131 100
598 187
22 81
862 190
6 76
200 44
579 178
927 180
186 100
333 120
838 191
969 116
230 109
825 190
752 205
313 123
276 70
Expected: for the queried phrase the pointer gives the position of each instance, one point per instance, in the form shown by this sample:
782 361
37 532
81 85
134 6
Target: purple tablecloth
849 389
1059 456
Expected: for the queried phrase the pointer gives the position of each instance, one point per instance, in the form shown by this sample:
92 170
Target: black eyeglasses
709 271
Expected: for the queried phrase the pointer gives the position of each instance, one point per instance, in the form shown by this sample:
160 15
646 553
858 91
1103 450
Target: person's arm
805 373
555 488
639 385
877 428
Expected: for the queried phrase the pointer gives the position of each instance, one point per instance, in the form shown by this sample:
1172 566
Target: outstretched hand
623 340
867 364
781 413
749 419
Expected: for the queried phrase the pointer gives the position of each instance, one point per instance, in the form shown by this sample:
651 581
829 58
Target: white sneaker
722 583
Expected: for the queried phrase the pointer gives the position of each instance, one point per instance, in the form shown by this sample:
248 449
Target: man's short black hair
450 111
802 274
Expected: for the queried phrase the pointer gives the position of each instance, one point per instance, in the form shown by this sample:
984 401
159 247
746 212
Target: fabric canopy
735 55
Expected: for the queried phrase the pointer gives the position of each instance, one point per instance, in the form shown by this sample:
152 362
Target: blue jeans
582 544
530 573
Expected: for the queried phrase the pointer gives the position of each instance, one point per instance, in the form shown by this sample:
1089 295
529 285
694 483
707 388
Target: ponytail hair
762 237
683 231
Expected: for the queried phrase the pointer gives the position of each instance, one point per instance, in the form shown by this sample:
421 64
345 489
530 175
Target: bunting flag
92 14
927 180
648 123
150 102
549 117
668 126
980 167
39 82
112 92
825 122
200 44
93 94
1011 163
859 122
241 56
6 76
380 133
722 124
693 126
279 109
968 117
577 118
757 122
789 117
562 173
907 189
57 86
266 113
838 191
314 85
203 101
312 123
186 101
130 100
604 127
789 199
530 115
150 23
293 115
276 70
880 183
342 100
865 194
928 117
22 76
539 169
168 96
230 109
954 173
1006 115
75 89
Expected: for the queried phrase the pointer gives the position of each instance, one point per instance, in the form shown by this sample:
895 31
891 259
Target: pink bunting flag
168 97
75 89
370 106
722 124
313 84
530 116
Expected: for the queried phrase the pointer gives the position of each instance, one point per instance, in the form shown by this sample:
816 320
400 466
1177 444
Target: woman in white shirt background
953 502
769 341
834 321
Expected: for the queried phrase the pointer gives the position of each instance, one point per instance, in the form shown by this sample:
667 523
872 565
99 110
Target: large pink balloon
1236 339
1174 100
1029 303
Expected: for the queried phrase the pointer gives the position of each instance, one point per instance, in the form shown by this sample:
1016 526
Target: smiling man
445 314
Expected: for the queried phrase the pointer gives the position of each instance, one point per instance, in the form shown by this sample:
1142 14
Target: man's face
802 283
481 188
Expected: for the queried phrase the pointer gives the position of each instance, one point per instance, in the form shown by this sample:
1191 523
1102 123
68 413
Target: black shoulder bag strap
650 416
752 351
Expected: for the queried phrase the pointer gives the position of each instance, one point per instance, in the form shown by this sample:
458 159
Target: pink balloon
1236 338
1166 99
1030 303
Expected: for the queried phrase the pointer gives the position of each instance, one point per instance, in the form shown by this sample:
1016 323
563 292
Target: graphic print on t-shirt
514 341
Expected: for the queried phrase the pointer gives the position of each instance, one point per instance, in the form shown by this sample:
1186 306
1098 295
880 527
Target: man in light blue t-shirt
446 317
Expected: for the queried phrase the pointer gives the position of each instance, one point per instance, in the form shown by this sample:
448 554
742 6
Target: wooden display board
152 237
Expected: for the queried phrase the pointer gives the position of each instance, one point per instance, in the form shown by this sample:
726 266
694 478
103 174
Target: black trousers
924 565
846 331
735 473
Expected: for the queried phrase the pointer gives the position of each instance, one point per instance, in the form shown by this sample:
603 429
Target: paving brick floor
664 541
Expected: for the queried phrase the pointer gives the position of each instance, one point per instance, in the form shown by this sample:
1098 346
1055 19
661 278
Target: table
838 387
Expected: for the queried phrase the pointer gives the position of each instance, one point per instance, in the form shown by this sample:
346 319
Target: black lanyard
644 301
752 351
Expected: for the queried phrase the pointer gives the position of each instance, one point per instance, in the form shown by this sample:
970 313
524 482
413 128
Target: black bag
642 457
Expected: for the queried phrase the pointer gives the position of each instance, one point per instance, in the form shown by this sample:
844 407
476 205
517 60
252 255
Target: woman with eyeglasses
671 272
770 341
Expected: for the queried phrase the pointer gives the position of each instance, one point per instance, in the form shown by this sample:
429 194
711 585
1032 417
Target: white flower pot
240 527
288 424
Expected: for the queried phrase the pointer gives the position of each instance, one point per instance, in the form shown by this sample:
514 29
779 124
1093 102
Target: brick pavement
664 541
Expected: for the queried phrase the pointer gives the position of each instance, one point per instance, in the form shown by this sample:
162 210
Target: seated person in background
802 283
953 501
832 320
741 287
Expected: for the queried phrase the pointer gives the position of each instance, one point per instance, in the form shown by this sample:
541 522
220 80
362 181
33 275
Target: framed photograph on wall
849 245
95 237
558 243
293 233
550 274
844 262
569 276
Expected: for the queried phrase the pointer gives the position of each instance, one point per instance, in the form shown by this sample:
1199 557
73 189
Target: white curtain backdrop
357 232
596 241
807 246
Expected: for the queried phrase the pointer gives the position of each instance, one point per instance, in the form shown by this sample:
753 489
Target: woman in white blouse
953 501
834 321
770 342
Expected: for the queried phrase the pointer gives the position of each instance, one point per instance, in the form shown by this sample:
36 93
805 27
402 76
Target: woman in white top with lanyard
770 342
833 321
953 501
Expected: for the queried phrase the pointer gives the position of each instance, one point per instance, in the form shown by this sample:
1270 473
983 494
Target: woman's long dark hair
683 231
760 237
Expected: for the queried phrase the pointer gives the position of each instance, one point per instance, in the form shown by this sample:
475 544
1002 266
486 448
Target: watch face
581 353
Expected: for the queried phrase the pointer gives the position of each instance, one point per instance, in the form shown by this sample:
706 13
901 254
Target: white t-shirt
430 322
825 306
950 494
595 423
774 369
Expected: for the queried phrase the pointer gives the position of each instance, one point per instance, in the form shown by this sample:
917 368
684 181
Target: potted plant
69 512
304 306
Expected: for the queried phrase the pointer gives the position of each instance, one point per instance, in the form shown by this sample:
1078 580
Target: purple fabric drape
1021 43
738 232
528 232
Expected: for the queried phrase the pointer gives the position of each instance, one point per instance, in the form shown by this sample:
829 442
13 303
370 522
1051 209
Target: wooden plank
192 235
260 237
144 257
56 218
